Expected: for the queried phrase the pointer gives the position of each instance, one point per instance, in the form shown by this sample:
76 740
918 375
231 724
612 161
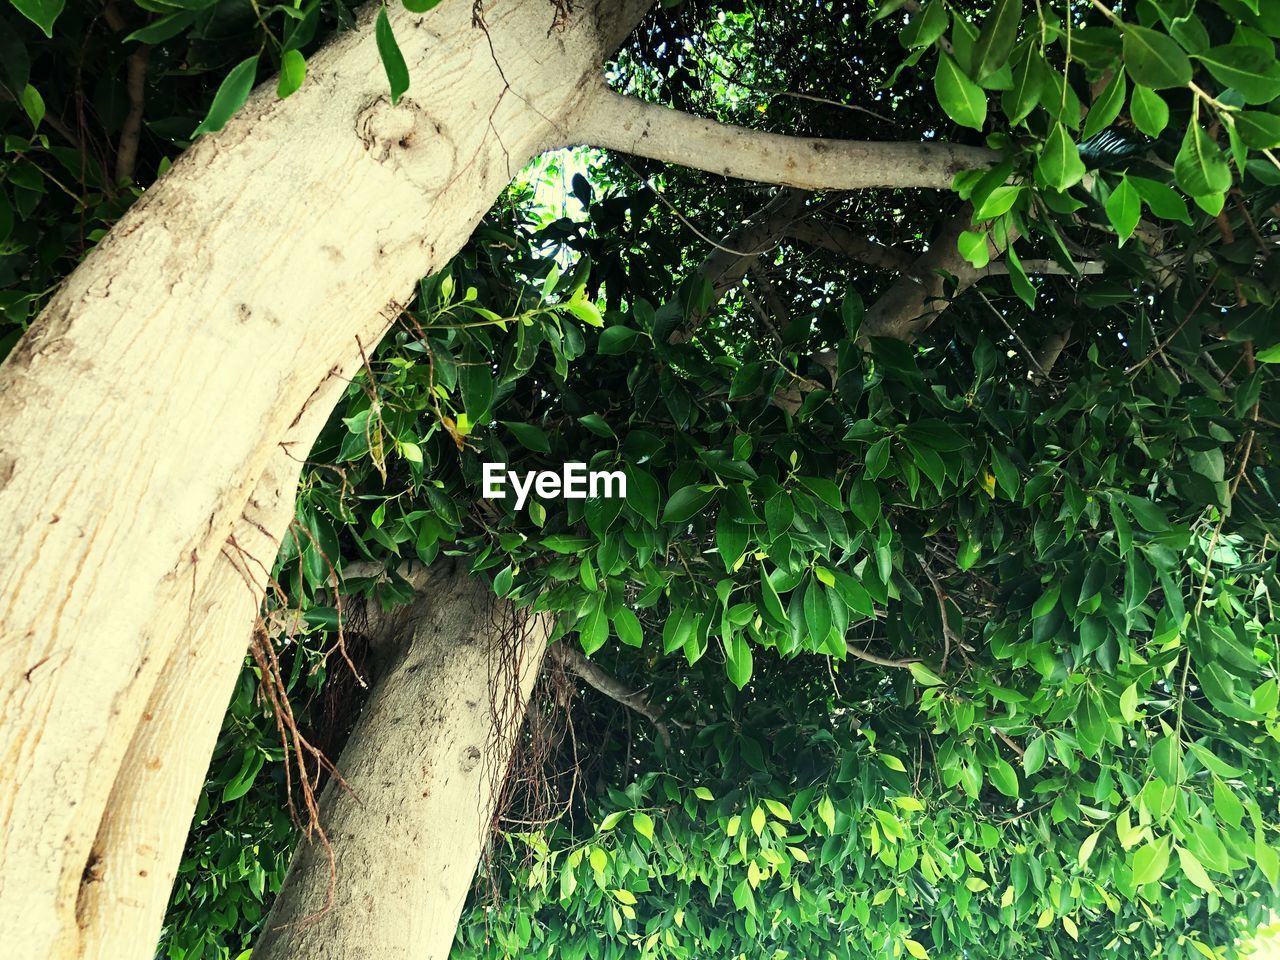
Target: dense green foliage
1067 747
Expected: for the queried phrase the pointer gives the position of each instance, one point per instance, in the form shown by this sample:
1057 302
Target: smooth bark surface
423 766
146 404
649 130
135 856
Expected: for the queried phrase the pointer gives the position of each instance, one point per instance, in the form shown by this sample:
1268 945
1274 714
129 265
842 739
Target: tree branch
1051 348
860 654
727 264
840 240
136 87
642 129
1045 268
915 300
573 659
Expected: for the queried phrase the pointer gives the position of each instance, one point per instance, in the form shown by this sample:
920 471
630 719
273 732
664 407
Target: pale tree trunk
147 403
143 415
139 844
423 768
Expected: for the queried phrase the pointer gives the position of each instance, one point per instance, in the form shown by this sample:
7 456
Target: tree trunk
144 408
143 414
139 845
423 768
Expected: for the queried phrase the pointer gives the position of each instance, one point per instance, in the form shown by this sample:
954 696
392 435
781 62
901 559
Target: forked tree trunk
423 768
145 415
145 407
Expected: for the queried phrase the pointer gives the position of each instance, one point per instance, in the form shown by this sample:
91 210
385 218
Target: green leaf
1251 71
392 59
40 12
643 825
586 311
975 248
968 554
924 676
597 425
893 763
242 782
1200 167
817 613
594 629
293 70
1035 754
1006 473
1129 703
232 93
1003 777
1194 870
998 201
33 104
1124 208
627 625
420 6
1059 164
1269 355
475 380
1107 107
1148 110
1047 601
166 28
1086 848
616 340
1161 199
1257 129
996 38
827 814
1150 862
529 436
926 26
685 503
502 582
1028 82
731 539
963 100
737 659
1153 59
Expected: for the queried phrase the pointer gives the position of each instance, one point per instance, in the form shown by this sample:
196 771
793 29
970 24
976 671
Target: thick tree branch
1044 268
642 129
573 659
1050 349
729 262
840 240
916 299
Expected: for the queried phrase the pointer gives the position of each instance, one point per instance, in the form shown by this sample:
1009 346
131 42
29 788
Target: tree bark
728 262
136 853
142 414
623 123
145 406
840 240
423 769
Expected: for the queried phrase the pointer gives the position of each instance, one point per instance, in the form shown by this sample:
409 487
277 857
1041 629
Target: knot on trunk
407 138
